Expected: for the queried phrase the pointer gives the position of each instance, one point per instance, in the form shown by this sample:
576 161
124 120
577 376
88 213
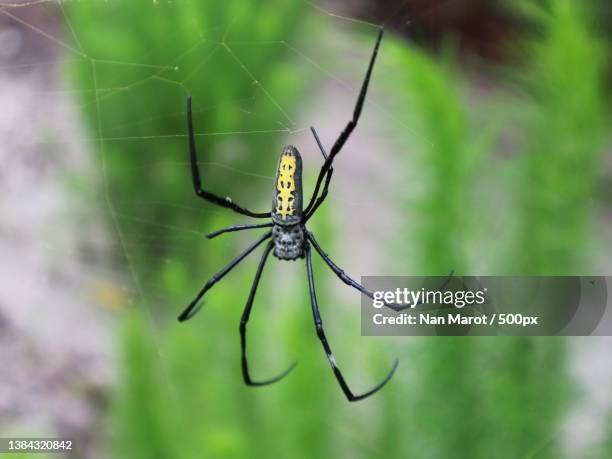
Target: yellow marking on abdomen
285 185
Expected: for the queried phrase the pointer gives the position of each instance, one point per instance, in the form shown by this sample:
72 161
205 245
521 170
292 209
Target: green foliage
437 112
565 131
500 397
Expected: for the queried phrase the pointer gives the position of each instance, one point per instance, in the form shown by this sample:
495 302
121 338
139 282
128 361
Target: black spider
290 238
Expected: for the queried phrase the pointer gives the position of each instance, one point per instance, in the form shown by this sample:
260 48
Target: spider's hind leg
243 323
330 356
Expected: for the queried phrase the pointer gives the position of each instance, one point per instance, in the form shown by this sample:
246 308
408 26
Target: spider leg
231 229
319 143
321 198
197 184
344 277
330 356
243 323
348 129
192 308
353 283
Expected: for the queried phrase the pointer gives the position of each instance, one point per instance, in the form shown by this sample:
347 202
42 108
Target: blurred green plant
565 132
440 134
478 397
500 397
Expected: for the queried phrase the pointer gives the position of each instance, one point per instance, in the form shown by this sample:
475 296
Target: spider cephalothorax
290 239
289 242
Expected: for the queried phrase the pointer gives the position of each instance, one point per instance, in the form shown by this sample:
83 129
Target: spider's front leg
226 202
319 200
348 129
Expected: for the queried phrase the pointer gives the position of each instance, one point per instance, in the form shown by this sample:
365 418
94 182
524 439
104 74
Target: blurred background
484 147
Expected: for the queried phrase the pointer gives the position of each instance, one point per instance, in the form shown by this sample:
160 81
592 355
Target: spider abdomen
288 242
287 196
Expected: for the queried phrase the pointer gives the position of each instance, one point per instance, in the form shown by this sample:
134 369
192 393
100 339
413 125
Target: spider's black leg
231 229
353 283
319 143
330 356
243 323
192 309
321 198
344 135
197 184
343 276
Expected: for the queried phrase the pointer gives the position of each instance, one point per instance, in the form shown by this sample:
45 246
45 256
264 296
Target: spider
290 240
